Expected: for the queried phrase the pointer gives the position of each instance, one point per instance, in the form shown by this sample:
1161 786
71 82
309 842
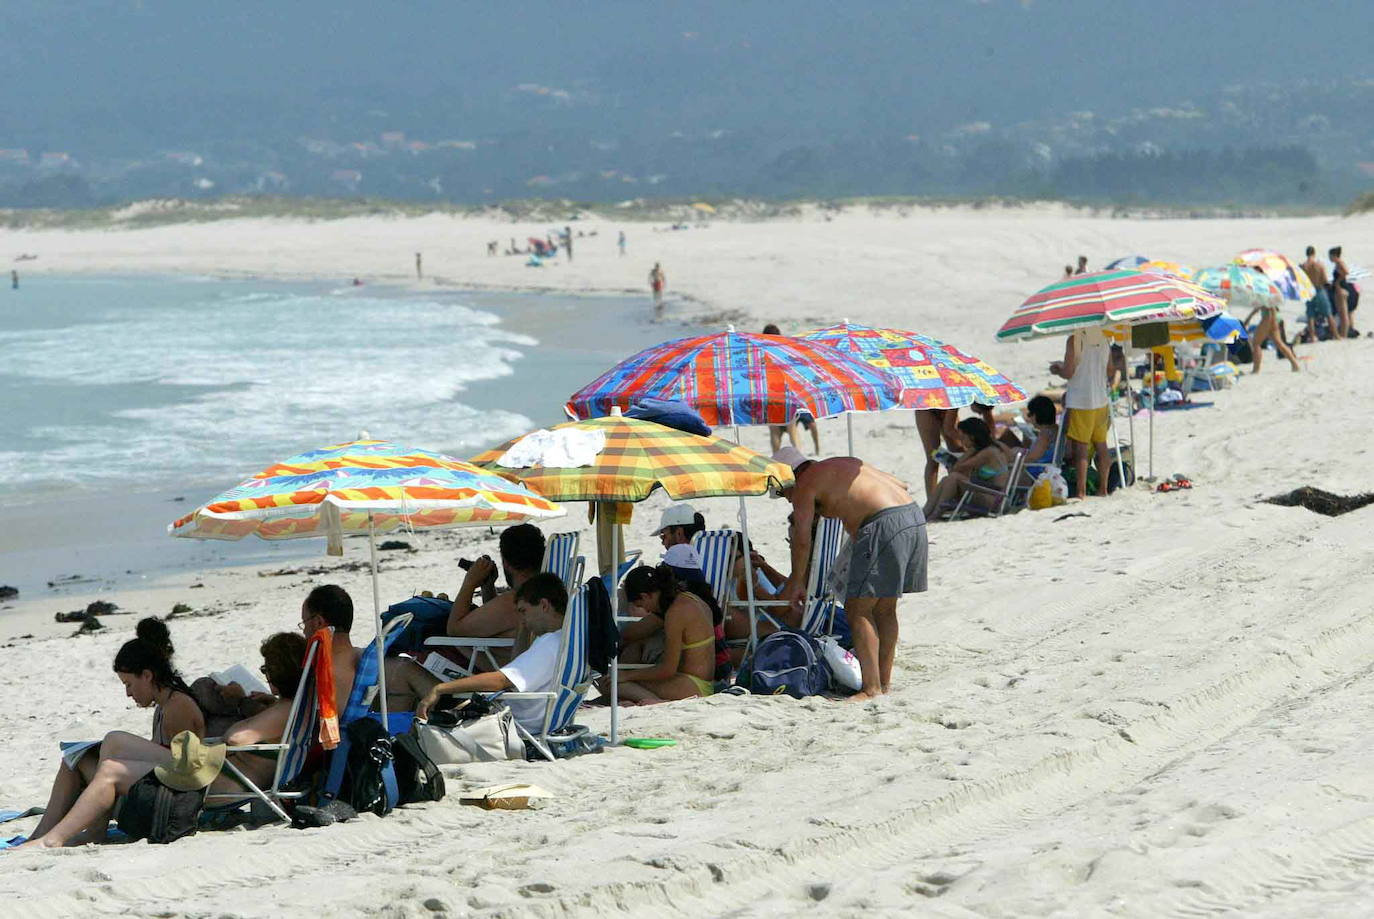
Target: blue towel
670 413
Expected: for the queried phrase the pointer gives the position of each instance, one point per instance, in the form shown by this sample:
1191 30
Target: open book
240 674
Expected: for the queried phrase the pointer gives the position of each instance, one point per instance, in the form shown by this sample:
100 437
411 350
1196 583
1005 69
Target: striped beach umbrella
1106 298
1242 287
1127 261
636 457
366 485
741 378
1221 328
1291 280
934 375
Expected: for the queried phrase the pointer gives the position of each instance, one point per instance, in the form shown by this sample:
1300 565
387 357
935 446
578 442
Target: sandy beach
1153 709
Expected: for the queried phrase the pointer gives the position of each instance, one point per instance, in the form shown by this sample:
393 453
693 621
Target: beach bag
418 779
791 663
429 618
159 814
448 738
844 666
362 770
1041 493
1114 476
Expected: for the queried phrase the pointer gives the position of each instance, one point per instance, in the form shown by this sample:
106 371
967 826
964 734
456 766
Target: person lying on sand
88 816
144 666
887 550
541 603
687 667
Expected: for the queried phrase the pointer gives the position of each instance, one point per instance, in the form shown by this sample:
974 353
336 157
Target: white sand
1159 709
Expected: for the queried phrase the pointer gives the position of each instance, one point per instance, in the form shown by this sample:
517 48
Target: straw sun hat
194 764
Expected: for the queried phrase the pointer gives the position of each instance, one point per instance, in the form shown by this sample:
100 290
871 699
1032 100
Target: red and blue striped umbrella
1107 298
933 374
742 378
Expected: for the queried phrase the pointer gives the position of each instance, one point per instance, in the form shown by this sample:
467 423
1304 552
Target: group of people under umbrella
731 379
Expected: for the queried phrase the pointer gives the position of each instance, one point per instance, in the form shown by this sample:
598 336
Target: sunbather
144 666
1040 410
985 464
933 426
688 664
330 605
87 817
541 602
522 555
768 584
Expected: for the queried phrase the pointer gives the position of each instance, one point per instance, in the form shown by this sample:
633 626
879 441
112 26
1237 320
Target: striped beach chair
716 548
818 610
561 558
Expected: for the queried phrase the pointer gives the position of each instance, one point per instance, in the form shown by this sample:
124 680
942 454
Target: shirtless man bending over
887 546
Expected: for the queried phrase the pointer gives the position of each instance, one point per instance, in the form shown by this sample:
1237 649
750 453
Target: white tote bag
479 740
844 666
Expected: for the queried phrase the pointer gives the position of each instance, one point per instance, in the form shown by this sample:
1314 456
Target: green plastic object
649 743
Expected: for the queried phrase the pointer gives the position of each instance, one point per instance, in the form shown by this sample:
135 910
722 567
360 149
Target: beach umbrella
627 459
1242 287
934 375
704 207
1291 280
1221 328
366 486
1127 261
1124 296
739 378
1164 266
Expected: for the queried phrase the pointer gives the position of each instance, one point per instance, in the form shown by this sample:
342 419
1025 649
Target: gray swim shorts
889 554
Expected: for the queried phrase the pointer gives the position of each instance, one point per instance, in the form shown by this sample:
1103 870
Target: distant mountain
108 100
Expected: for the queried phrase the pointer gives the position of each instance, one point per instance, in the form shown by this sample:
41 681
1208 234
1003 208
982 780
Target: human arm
480 572
1069 364
645 625
972 461
267 726
1249 316
490 620
673 625
495 681
803 518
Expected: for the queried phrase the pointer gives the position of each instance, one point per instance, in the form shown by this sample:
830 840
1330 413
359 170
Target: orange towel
324 688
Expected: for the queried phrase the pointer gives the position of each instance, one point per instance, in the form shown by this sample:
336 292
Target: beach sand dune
1156 709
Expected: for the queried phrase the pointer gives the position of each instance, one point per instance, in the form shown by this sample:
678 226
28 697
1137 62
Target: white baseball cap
791 456
676 515
682 556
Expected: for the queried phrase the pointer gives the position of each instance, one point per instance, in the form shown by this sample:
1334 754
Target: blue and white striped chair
561 558
716 548
574 678
818 611
302 728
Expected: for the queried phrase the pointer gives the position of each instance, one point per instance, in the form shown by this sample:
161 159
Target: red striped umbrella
741 378
1124 296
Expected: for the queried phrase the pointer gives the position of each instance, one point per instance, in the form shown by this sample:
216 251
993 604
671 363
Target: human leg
66 788
1262 333
928 428
123 745
1103 464
648 692
774 437
91 812
864 632
948 491
406 684
885 621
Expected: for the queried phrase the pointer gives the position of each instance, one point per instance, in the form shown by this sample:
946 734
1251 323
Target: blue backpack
430 618
789 662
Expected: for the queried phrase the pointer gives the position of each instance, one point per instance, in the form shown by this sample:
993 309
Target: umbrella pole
748 576
849 421
615 612
1154 394
1130 402
377 620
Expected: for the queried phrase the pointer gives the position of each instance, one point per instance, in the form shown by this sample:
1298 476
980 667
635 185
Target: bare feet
862 696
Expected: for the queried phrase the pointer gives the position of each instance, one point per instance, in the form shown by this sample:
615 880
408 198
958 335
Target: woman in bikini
144 666
985 464
688 664
85 818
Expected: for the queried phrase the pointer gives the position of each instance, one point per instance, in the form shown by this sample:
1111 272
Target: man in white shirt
541 602
1085 367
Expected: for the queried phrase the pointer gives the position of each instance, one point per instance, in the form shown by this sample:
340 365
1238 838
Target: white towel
565 449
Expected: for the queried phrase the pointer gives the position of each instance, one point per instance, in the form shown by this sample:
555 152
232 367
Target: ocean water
151 382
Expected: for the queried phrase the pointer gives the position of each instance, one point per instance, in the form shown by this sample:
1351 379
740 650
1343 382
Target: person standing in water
657 280
419 274
14 279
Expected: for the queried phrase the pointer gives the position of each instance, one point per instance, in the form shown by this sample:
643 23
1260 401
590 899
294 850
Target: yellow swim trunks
1088 425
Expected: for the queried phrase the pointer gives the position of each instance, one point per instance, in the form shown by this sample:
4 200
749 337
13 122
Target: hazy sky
942 61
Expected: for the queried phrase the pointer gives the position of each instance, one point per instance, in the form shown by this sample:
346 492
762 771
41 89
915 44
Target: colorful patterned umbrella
1242 287
1290 279
640 456
354 487
1128 261
1106 298
933 374
1164 266
742 378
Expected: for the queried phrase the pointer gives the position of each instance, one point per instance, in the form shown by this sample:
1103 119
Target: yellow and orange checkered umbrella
639 456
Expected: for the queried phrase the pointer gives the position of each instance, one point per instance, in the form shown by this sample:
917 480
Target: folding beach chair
1001 497
818 609
716 548
561 558
302 728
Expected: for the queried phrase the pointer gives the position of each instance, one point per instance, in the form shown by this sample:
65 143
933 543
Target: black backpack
159 814
362 771
417 778
603 635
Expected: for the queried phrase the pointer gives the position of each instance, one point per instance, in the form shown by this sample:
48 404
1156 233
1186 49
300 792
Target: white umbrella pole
377 621
1130 401
849 421
1154 394
748 577
615 612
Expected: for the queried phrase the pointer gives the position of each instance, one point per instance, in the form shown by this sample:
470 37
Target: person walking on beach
1337 290
657 279
1352 293
621 243
1268 330
887 554
1319 307
1085 367
567 241
419 274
